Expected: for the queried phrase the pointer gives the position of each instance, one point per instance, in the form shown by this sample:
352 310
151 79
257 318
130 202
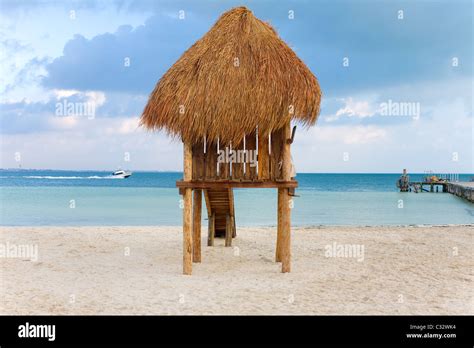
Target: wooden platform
228 184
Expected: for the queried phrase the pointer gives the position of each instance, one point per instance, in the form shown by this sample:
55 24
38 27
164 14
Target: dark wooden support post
197 207
234 230
232 213
228 231
187 212
209 219
212 230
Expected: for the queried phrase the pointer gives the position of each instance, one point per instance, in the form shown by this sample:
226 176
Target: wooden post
263 157
228 231
212 230
285 230
284 204
279 213
209 218
232 213
187 212
197 206
234 230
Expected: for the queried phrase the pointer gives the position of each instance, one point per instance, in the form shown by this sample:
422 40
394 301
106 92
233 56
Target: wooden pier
419 186
447 182
462 189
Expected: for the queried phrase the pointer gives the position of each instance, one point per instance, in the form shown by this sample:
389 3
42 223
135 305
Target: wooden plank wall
251 144
205 164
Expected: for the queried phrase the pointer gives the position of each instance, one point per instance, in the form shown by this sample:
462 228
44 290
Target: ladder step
219 202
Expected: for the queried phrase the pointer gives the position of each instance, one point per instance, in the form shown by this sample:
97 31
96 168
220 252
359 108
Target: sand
137 270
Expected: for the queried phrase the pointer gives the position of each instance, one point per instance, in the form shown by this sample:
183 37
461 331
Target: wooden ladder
220 210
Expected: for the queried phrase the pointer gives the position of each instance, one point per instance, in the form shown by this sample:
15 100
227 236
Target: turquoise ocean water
75 198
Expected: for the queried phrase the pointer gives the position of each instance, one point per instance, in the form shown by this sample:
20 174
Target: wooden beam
286 154
279 225
285 232
225 184
232 212
187 212
187 162
212 230
208 203
285 213
231 202
197 207
263 158
234 230
228 231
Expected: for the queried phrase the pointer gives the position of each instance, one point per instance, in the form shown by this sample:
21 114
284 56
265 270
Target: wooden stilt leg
197 206
285 234
228 231
232 213
212 230
187 232
285 230
187 211
234 230
279 226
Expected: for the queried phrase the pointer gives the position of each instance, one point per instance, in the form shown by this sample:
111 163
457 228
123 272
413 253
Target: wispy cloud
113 53
353 108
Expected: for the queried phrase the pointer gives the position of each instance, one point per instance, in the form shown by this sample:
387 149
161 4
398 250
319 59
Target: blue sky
366 55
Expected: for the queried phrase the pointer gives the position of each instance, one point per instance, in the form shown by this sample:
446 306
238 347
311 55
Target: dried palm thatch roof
238 76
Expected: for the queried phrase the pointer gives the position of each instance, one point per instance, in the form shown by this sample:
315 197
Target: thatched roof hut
238 87
239 75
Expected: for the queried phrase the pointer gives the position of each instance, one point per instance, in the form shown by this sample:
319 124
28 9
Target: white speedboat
121 174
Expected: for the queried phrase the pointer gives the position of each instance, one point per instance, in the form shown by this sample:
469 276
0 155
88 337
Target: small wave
70 177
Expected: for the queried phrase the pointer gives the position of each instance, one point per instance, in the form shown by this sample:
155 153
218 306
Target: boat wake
71 177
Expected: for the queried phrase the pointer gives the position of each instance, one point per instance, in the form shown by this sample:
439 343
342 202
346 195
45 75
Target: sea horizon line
180 172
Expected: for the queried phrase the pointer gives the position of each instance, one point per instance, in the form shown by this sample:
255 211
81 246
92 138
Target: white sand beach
138 270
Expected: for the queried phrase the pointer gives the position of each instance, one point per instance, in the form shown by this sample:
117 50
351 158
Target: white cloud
354 108
343 134
364 135
89 145
95 97
124 126
64 93
62 123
